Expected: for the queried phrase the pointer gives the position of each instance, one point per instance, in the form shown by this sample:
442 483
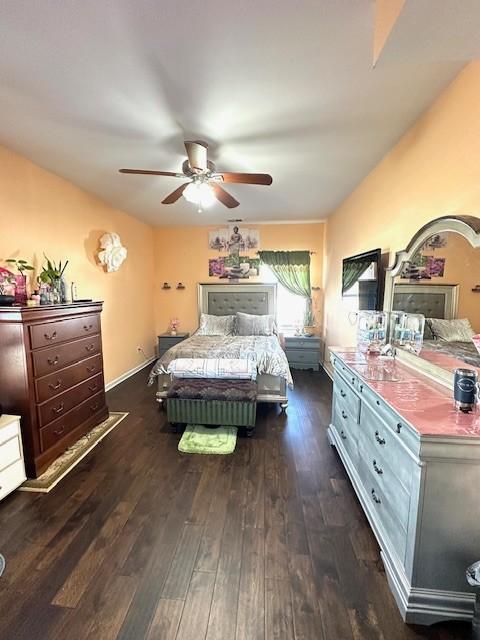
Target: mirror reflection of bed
442 282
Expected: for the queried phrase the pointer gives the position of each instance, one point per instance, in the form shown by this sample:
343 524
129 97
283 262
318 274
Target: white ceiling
274 86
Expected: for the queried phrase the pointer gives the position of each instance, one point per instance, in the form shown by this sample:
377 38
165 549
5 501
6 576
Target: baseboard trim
128 374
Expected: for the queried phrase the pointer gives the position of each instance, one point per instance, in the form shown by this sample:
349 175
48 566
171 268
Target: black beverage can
465 388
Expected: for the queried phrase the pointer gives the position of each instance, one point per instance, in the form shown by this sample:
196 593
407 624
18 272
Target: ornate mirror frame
469 228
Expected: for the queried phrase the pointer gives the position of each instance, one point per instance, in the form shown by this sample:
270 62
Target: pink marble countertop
425 405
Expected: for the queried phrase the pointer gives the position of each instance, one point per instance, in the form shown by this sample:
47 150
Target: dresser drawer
54 408
54 358
55 383
58 429
391 419
345 372
302 343
11 478
383 506
346 395
346 429
302 356
386 478
382 442
10 451
48 333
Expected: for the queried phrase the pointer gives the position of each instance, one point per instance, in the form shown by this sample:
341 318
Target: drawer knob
53 361
50 336
91 369
377 468
344 415
361 388
375 498
353 380
398 427
58 409
55 386
378 403
378 439
90 347
342 393
93 387
342 435
94 407
88 327
58 432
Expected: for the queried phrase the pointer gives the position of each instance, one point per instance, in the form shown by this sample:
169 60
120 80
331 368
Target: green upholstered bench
212 401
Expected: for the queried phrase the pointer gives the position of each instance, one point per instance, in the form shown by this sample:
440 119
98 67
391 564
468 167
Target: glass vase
56 291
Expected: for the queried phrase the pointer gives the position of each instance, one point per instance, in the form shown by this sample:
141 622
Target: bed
273 372
440 302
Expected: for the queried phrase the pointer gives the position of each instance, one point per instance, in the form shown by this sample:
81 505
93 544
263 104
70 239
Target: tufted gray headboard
431 300
227 299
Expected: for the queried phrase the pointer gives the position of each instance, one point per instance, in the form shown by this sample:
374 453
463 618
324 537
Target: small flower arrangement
174 324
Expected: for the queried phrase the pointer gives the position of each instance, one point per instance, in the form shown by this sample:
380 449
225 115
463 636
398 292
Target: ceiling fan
204 184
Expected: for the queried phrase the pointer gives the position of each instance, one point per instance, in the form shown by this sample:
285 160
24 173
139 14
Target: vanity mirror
438 276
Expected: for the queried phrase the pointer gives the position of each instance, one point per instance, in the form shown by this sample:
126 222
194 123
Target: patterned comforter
465 351
265 351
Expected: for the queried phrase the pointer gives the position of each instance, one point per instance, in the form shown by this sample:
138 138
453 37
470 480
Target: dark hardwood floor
141 542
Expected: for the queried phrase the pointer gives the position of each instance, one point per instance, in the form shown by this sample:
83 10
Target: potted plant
309 320
52 275
21 279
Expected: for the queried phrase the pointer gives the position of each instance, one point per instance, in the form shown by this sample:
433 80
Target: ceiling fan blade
152 173
224 197
175 195
246 178
197 155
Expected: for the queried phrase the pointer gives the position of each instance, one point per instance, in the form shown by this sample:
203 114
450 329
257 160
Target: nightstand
12 467
166 341
303 352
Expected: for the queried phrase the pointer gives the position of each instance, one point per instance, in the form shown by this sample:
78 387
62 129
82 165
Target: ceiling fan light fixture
199 193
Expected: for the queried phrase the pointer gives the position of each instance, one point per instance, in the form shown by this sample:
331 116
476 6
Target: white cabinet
420 493
12 467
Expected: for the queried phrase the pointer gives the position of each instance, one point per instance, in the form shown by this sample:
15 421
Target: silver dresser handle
342 435
342 393
377 468
375 498
378 439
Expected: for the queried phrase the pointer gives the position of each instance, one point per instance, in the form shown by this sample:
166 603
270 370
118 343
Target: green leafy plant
22 265
309 317
52 272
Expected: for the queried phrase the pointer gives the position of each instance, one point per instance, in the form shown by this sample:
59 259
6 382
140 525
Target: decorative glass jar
371 331
406 331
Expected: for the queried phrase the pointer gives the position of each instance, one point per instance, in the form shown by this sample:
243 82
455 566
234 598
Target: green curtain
352 271
292 269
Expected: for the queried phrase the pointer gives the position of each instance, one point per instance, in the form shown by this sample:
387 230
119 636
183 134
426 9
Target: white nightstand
12 467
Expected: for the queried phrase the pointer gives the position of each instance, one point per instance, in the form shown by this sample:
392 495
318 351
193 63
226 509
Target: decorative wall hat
113 253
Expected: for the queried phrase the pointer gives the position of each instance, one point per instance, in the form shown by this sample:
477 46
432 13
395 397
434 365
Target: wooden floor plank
194 620
251 599
222 623
181 569
278 610
166 620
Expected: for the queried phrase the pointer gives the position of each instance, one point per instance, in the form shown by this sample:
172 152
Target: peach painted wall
182 255
432 171
40 212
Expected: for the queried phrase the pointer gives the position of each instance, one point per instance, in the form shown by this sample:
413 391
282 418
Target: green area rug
208 440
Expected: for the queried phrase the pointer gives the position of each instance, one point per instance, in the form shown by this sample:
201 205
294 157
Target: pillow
250 325
459 330
216 325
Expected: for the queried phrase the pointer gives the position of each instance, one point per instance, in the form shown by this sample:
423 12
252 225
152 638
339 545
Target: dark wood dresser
51 374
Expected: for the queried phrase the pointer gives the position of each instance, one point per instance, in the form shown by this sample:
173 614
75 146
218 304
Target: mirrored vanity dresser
413 460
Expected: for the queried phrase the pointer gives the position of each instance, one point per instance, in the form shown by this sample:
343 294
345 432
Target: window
290 307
